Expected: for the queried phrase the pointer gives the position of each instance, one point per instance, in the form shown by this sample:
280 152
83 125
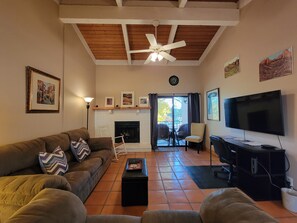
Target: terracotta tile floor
169 186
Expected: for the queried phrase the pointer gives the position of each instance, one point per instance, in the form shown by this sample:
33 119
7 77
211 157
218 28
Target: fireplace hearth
129 129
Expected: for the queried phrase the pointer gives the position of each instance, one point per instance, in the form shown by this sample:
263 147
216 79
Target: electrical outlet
290 181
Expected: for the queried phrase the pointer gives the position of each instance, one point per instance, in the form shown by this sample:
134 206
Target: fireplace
129 129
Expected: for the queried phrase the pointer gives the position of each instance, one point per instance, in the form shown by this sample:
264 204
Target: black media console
254 165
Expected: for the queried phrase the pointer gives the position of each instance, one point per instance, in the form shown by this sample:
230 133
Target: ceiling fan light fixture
158 51
160 57
154 56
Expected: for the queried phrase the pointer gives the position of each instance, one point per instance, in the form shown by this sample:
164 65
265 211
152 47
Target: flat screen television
257 112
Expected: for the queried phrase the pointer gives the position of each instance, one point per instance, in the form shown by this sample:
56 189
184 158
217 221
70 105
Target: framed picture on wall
109 102
143 101
213 104
276 65
43 92
127 99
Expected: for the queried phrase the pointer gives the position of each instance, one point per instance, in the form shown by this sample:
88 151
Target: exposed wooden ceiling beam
119 3
145 15
82 39
141 63
171 36
126 41
182 3
243 3
212 43
151 3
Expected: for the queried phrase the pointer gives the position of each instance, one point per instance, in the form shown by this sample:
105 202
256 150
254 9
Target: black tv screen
258 112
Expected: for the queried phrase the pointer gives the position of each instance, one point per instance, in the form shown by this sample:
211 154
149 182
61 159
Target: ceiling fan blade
167 56
151 38
141 51
148 59
173 45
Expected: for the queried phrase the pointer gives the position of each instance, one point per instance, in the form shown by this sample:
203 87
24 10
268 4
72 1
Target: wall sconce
88 100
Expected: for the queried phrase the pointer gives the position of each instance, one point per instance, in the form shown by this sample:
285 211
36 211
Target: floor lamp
88 100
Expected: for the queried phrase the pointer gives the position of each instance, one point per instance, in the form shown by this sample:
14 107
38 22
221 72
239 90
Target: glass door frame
172 138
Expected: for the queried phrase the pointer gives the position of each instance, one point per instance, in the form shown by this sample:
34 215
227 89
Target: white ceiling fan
157 50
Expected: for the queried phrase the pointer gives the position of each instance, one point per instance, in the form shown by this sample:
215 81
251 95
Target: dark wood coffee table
135 183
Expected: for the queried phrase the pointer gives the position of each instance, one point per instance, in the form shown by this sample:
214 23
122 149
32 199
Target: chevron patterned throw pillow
80 149
53 163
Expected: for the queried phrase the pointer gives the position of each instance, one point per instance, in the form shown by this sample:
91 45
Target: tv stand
253 164
264 146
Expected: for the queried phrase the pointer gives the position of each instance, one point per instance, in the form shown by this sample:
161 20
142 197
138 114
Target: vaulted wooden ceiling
109 29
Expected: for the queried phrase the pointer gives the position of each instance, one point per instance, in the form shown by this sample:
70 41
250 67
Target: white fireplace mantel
104 126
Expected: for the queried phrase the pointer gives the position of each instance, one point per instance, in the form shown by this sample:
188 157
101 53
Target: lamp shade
88 99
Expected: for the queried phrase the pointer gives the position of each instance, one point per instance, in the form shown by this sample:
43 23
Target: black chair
182 132
226 155
164 133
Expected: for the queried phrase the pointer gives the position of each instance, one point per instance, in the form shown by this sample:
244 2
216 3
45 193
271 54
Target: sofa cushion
232 206
36 169
113 219
100 143
50 206
78 133
171 216
78 180
53 141
54 163
80 149
17 191
90 165
32 184
62 140
19 156
103 154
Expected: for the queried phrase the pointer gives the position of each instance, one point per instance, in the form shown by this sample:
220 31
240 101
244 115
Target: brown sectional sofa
28 196
223 206
21 177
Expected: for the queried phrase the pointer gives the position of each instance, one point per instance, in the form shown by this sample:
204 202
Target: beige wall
31 34
265 27
79 81
111 80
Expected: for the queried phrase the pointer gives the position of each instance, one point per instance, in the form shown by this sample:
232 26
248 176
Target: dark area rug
204 178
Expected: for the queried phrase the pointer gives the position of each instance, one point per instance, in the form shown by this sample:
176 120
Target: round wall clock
173 80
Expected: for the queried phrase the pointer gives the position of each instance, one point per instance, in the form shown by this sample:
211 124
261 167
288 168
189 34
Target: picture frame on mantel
127 99
43 92
143 101
213 104
109 102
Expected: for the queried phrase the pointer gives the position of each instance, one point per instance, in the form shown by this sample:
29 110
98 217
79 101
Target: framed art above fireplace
43 92
127 99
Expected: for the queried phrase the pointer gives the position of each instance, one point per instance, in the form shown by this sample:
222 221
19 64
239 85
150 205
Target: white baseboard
138 147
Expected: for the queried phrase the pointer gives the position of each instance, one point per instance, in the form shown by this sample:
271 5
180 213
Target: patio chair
163 132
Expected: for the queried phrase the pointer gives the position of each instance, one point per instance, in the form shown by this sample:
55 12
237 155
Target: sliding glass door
172 120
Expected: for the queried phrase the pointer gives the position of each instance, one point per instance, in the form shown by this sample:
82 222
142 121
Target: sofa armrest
171 216
51 206
100 143
233 206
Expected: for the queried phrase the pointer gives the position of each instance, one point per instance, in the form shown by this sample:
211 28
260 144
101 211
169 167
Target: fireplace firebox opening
129 129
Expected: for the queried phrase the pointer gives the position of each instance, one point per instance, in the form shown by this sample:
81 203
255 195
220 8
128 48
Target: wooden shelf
119 108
